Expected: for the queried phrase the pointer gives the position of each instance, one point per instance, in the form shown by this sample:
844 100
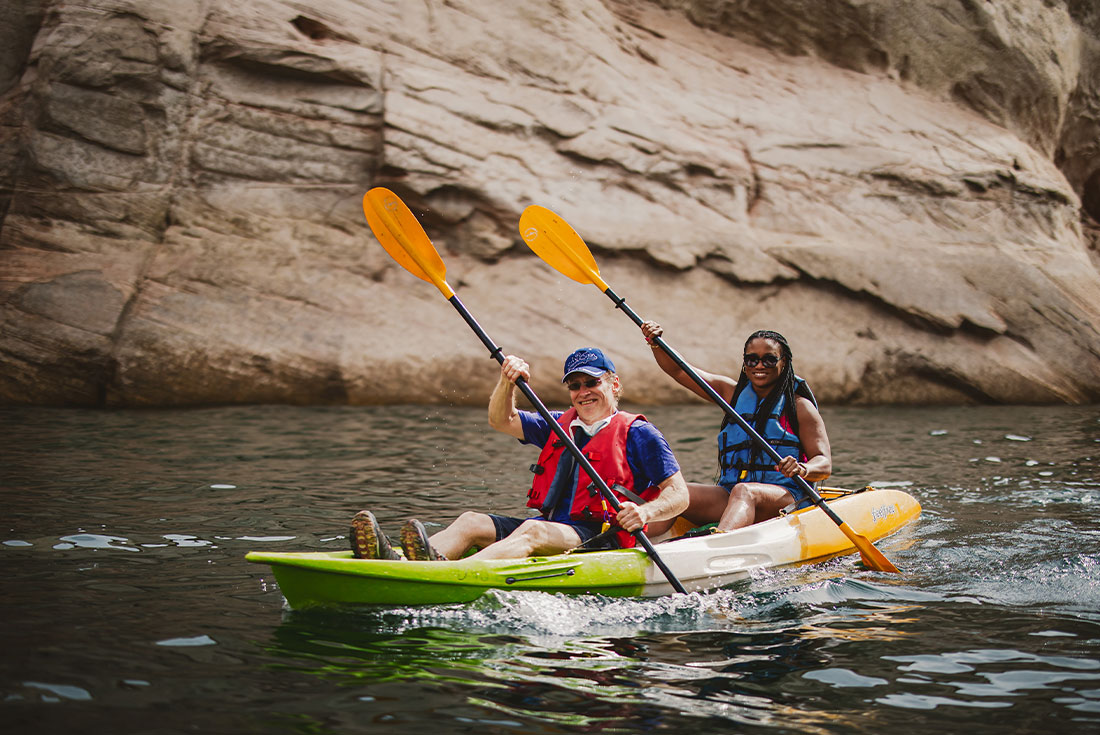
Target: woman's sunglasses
769 360
587 383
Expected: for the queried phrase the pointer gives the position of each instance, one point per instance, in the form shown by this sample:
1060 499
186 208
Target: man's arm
672 501
503 415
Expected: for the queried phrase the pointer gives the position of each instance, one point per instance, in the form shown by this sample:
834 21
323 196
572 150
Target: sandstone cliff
907 190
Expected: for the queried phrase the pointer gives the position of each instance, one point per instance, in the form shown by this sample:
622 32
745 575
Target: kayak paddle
558 244
399 232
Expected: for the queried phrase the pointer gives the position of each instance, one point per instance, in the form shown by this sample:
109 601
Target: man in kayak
628 452
781 408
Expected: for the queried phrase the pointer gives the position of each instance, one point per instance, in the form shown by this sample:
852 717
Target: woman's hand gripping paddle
405 240
558 244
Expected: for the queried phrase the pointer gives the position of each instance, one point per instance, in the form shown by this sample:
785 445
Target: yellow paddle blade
400 233
871 556
558 244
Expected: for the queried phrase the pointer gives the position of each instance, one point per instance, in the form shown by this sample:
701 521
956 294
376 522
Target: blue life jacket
736 459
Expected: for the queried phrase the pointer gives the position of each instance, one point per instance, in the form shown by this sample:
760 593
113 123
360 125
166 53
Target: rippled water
128 606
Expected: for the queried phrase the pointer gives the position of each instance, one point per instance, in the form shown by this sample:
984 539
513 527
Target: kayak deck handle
566 573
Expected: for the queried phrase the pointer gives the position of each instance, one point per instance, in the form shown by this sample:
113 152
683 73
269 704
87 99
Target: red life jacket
607 453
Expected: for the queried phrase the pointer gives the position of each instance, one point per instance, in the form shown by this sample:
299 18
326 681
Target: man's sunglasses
587 383
769 360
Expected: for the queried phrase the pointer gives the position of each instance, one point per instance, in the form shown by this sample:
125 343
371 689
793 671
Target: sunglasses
769 360
587 383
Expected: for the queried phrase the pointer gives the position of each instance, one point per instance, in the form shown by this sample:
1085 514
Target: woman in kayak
782 409
628 452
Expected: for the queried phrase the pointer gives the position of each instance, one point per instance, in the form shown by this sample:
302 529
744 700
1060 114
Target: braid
785 387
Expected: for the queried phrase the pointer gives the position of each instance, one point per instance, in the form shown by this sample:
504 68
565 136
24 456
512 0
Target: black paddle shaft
806 487
582 460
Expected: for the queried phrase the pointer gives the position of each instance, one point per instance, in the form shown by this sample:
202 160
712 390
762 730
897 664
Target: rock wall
906 190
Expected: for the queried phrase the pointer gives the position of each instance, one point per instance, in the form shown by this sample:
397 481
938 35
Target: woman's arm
722 385
815 445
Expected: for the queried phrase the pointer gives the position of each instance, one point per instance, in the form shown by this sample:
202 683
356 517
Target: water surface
129 608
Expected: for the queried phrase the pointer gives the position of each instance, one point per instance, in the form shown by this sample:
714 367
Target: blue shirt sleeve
649 456
536 430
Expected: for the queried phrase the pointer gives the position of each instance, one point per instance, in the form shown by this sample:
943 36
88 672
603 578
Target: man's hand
513 368
632 516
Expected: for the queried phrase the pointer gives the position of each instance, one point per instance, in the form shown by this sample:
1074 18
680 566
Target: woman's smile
763 363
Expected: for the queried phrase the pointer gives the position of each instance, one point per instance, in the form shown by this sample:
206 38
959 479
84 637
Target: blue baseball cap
588 360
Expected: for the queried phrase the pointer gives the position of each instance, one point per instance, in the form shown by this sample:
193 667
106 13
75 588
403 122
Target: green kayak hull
308 579
322 578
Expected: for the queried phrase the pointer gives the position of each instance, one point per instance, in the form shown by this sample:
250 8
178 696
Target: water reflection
94 541
763 654
727 655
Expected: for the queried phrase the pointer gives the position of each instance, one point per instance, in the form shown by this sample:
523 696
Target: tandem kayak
337 578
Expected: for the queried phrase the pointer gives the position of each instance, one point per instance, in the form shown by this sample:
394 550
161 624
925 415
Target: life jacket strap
628 494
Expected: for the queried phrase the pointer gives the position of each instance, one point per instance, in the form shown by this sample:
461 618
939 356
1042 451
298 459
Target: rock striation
907 190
